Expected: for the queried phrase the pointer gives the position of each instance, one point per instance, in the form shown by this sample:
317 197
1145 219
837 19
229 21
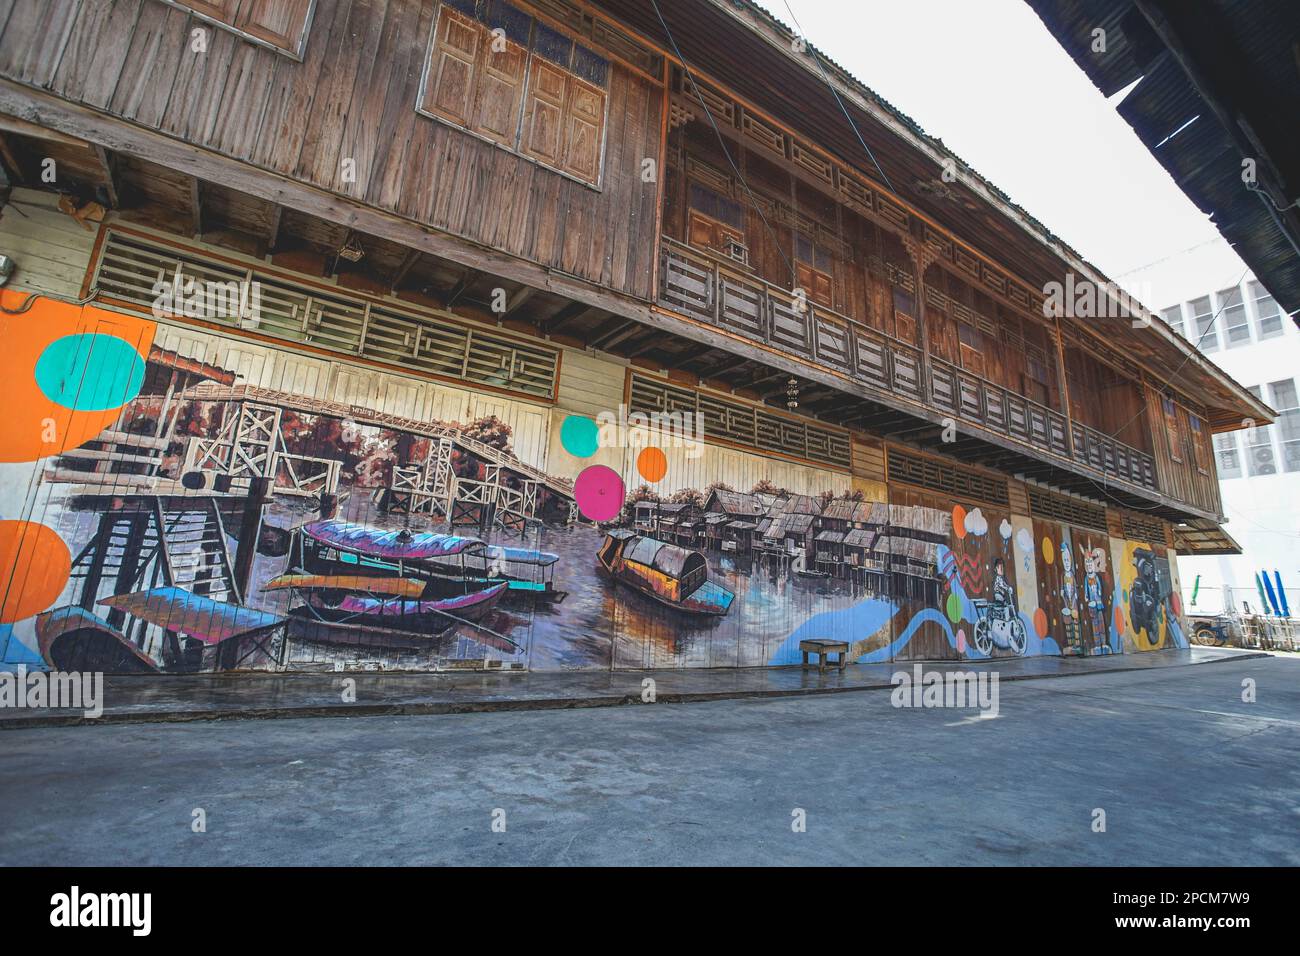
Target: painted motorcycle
1144 595
998 626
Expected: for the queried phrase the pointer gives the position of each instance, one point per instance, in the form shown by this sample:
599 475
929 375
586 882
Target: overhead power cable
794 279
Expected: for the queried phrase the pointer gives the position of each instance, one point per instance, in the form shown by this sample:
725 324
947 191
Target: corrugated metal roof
1211 61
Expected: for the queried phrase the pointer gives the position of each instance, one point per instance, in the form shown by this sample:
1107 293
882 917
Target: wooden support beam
618 334
273 229
408 262
723 369
564 316
467 279
12 167
753 383
649 343
109 165
12 124
522 295
196 208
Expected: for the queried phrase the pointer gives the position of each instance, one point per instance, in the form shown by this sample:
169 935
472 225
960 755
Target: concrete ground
1186 773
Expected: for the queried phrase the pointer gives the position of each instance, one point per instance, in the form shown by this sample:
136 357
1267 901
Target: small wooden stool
821 647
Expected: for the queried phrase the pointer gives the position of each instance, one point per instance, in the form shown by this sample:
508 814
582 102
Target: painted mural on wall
176 518
1148 606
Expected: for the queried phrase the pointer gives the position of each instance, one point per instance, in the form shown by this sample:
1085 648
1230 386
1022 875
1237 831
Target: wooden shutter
1172 430
701 232
972 348
450 89
544 121
815 283
280 22
223 10
500 92
583 129
904 320
706 233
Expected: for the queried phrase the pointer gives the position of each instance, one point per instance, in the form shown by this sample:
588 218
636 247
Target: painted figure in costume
1094 599
1070 602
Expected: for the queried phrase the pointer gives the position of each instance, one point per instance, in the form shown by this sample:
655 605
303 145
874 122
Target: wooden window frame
906 316
1029 375
531 58
1200 444
207 12
767 422
720 229
1173 430
814 270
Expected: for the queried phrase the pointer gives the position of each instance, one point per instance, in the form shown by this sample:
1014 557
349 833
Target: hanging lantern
792 393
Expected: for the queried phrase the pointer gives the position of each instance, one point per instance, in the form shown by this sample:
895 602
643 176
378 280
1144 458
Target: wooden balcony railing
981 402
707 288
1113 457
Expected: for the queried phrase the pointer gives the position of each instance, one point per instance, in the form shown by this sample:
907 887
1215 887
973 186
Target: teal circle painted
579 436
89 372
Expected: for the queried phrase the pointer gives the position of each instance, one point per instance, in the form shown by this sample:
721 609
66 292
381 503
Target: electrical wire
1196 350
32 297
1172 255
27 304
835 93
794 278
1187 358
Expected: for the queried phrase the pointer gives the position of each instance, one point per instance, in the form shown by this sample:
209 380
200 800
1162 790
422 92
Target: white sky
987 78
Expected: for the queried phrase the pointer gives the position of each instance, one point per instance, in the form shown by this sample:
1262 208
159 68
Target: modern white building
1243 330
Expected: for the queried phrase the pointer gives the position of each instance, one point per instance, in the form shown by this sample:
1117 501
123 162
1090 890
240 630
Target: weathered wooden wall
1179 472
353 96
51 249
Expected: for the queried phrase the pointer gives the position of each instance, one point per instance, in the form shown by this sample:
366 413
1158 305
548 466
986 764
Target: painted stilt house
735 517
372 261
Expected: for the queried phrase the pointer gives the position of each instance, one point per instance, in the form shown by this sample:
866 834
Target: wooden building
525 211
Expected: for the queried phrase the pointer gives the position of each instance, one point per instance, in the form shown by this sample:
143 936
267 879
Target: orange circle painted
959 521
34 564
1040 622
652 464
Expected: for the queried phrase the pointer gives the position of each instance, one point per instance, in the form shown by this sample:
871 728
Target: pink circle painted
598 491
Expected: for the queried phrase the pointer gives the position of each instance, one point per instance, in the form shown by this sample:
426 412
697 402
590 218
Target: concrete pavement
1186 772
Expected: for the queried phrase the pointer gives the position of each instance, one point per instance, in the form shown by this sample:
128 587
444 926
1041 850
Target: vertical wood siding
50 248
352 96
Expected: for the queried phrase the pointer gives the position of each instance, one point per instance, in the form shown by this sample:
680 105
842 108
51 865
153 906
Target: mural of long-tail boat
444 563
74 639
357 616
391 588
202 632
675 577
